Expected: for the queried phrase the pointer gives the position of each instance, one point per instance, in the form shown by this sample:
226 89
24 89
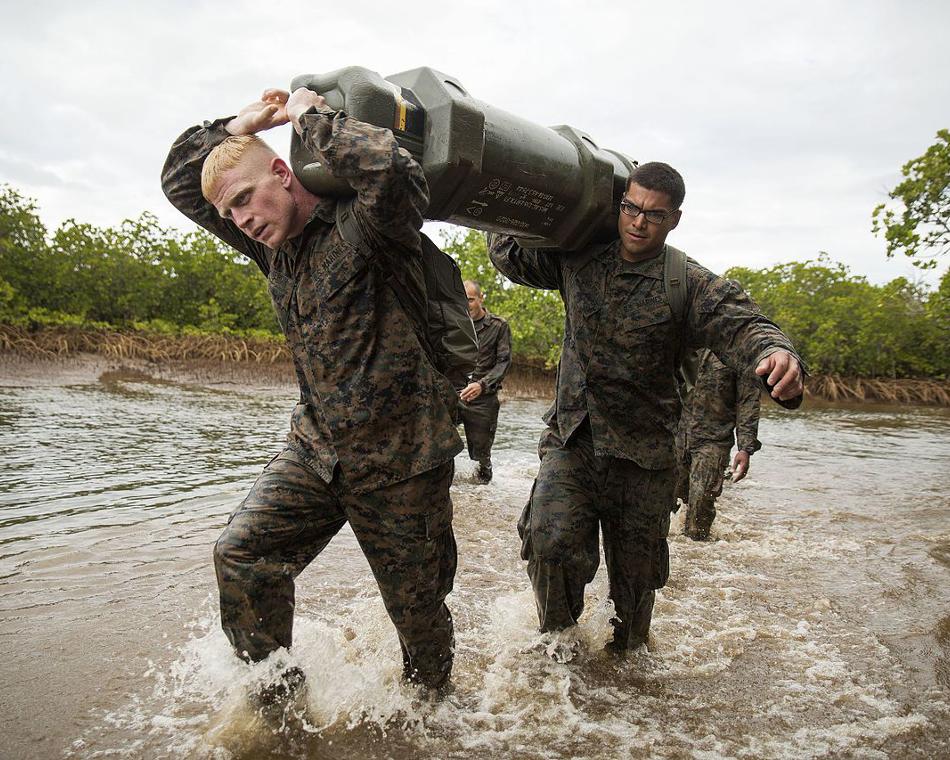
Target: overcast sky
789 121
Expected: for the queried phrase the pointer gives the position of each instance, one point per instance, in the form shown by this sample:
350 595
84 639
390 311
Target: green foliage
24 255
142 276
136 273
536 317
922 230
843 324
938 312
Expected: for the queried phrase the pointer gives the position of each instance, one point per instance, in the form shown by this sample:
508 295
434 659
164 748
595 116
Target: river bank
223 359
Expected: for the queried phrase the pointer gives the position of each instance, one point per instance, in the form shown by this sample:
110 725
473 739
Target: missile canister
486 168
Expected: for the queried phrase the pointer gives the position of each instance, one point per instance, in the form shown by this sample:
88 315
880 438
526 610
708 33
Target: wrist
296 113
234 129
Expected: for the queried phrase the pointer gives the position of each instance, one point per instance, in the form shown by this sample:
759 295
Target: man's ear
280 169
677 215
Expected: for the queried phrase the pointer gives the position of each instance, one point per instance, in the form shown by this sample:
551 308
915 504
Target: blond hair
226 156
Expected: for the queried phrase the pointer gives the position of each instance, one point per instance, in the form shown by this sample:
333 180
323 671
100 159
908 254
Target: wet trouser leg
636 520
558 530
707 466
682 464
285 521
405 531
480 419
575 493
289 517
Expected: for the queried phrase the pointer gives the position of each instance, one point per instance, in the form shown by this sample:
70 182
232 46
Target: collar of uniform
652 267
324 212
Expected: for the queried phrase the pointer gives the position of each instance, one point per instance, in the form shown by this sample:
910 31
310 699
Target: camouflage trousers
700 484
288 518
577 495
480 419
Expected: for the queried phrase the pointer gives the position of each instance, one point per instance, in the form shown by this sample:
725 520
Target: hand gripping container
486 168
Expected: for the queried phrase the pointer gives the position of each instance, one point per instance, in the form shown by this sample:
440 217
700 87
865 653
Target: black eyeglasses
653 216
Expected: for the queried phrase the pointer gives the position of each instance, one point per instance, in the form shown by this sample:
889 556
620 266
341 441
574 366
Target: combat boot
483 471
273 698
699 519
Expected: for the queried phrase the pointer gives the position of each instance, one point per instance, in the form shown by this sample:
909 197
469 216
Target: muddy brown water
815 624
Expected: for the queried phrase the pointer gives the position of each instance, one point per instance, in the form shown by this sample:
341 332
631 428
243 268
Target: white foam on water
743 663
198 708
517 701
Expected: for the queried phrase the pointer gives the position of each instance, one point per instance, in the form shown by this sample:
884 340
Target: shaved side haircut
227 155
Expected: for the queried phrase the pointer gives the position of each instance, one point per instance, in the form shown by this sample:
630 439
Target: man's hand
471 392
301 101
740 465
268 112
784 375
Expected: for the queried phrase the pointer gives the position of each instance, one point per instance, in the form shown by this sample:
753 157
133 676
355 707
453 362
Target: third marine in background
479 407
721 401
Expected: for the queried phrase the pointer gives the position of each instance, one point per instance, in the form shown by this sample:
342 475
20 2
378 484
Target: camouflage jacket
622 346
370 400
494 352
721 401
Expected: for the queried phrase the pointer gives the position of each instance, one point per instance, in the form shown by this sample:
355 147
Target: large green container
486 168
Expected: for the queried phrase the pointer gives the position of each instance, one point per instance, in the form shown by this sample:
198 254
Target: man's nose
241 219
640 221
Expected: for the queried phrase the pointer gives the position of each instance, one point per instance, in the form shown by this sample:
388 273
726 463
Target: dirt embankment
226 360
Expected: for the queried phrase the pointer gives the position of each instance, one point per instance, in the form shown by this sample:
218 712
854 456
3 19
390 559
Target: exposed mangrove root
525 380
58 342
882 390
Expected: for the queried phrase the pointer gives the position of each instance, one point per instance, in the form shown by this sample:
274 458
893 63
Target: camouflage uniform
480 416
721 401
607 456
373 438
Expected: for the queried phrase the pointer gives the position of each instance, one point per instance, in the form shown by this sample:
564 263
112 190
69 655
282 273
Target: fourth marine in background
720 402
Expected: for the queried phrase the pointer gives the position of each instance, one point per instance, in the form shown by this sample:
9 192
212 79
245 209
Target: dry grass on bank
903 391
212 357
535 383
55 342
526 381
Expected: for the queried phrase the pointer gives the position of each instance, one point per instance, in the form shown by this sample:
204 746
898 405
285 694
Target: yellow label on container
401 116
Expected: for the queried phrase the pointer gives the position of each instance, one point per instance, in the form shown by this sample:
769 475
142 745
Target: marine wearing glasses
653 215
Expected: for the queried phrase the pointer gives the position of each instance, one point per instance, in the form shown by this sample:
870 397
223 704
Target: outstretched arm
722 317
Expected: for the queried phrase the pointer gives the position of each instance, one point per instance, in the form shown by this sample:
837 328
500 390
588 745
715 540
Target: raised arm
181 174
391 190
534 267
